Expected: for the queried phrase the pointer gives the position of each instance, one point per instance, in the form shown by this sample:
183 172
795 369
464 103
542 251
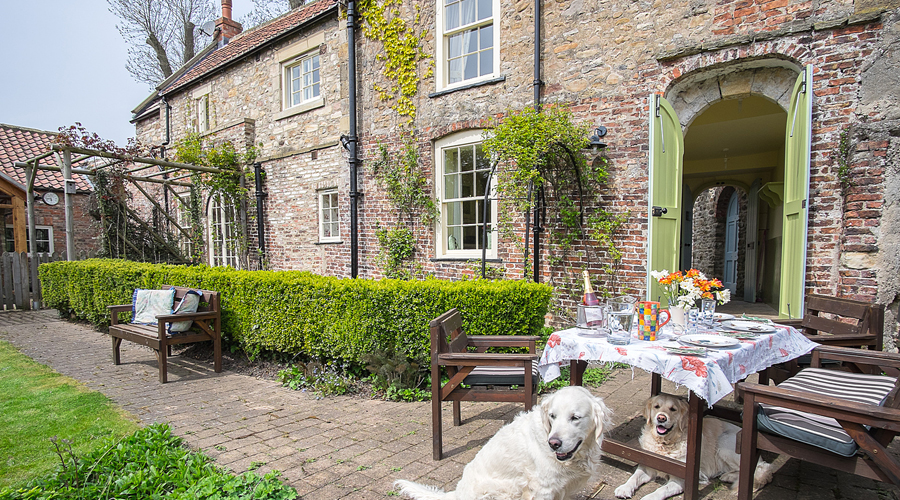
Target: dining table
708 362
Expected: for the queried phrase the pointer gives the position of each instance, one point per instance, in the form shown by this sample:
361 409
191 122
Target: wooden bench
207 326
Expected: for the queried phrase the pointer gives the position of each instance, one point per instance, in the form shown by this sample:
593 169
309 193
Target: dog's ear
682 406
602 418
648 409
545 412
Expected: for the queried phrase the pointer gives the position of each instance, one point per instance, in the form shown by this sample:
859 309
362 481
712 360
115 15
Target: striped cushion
816 430
501 375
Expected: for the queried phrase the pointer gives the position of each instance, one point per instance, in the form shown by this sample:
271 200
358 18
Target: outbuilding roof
22 143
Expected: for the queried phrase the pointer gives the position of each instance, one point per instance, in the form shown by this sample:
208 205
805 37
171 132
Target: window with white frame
470 38
466 223
203 113
302 80
183 216
329 216
44 239
223 241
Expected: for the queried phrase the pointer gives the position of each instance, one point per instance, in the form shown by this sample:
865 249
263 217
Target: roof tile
19 144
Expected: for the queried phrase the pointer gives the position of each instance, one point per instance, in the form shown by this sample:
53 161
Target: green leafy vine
844 153
402 52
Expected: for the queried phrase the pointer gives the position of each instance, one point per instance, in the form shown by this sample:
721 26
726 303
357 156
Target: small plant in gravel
150 463
324 380
396 377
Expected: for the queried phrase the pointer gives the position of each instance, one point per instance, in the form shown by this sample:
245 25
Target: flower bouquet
685 288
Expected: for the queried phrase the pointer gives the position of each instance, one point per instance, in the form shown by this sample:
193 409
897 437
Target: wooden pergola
171 175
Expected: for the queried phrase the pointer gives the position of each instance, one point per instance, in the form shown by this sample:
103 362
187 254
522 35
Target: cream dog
548 453
664 433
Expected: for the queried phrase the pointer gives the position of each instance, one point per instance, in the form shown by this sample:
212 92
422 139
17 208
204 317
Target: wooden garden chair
476 375
842 419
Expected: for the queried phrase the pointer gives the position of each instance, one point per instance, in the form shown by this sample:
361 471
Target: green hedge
294 311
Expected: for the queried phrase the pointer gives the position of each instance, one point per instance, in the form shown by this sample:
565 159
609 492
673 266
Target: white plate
748 326
722 316
704 340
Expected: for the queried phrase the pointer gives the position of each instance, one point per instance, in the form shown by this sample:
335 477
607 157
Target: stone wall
603 60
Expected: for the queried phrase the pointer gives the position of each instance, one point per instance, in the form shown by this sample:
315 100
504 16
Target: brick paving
341 447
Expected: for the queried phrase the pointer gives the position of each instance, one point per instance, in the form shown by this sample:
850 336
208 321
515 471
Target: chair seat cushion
501 375
817 430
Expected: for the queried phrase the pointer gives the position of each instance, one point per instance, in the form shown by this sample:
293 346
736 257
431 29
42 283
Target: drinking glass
693 321
707 312
619 319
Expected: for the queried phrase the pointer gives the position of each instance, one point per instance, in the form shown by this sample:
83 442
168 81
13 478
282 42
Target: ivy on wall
402 51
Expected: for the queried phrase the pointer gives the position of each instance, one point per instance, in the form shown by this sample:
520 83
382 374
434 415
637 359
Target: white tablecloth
710 377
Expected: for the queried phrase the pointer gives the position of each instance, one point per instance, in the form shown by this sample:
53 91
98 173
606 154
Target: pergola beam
136 159
84 171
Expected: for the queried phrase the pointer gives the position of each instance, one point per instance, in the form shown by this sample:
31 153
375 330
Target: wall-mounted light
594 138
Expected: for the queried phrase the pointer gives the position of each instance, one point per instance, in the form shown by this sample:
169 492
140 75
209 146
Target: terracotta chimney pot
226 9
226 28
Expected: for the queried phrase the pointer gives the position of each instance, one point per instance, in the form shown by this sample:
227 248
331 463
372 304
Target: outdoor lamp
594 138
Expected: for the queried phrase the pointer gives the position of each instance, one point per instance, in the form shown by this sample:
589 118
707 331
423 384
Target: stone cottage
757 140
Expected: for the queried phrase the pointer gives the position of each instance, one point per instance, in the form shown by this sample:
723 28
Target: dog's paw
624 491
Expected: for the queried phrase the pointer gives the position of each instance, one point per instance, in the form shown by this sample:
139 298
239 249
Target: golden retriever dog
665 432
548 453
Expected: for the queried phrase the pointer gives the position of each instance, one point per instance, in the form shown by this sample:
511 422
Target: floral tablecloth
710 376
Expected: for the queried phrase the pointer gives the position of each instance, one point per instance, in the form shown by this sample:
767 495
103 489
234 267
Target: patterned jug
648 319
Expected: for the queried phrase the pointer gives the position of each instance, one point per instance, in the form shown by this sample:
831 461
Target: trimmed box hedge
300 312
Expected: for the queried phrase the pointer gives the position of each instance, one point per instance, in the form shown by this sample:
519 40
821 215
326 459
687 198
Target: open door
751 238
666 153
730 278
687 227
796 194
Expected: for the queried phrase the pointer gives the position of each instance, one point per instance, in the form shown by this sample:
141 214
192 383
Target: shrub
299 312
149 464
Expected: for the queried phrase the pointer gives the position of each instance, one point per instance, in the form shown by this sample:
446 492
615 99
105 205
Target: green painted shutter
796 194
666 153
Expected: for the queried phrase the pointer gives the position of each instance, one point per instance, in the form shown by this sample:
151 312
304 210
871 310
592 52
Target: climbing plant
541 154
844 153
401 178
228 183
402 51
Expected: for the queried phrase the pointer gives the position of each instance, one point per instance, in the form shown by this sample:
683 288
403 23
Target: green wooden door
796 195
664 212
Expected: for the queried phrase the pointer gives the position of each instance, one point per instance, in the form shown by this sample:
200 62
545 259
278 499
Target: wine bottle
590 298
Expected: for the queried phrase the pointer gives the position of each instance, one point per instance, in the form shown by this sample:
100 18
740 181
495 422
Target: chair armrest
171 318
119 308
858 356
796 323
502 340
484 359
836 408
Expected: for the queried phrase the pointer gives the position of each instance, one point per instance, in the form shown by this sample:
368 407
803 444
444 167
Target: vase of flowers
685 288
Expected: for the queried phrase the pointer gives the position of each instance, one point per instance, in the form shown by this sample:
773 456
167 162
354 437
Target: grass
37 404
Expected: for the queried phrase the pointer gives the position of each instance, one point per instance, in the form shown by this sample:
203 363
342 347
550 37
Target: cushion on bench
188 304
146 305
501 375
816 430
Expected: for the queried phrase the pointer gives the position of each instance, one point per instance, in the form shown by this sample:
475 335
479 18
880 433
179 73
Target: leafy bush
324 380
149 464
398 377
299 312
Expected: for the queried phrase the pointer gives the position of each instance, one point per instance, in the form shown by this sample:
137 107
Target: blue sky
63 61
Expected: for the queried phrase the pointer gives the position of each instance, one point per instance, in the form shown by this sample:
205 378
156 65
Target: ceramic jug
648 319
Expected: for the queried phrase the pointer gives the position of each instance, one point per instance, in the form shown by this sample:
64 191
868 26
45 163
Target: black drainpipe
168 129
539 195
352 138
260 195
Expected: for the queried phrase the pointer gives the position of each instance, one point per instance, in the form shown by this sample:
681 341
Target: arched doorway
738 129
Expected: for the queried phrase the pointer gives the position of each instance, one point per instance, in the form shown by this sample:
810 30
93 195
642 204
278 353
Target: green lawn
36 404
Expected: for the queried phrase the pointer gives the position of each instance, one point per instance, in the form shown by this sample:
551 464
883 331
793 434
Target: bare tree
162 34
266 10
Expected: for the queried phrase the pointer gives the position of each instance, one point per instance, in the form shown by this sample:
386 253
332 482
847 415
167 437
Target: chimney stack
226 28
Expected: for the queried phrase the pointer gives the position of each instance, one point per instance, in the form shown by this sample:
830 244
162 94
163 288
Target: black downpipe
352 138
539 195
168 123
260 196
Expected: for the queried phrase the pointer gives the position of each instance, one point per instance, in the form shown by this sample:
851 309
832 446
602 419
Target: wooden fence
18 288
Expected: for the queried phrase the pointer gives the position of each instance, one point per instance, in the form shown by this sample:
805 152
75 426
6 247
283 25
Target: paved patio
340 447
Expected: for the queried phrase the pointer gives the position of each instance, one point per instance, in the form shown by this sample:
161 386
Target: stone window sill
301 108
338 242
469 86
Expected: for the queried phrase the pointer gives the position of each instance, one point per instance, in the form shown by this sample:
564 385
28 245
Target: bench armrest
485 359
172 318
119 308
858 356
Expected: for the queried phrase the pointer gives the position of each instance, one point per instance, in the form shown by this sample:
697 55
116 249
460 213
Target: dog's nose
555 443
661 418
